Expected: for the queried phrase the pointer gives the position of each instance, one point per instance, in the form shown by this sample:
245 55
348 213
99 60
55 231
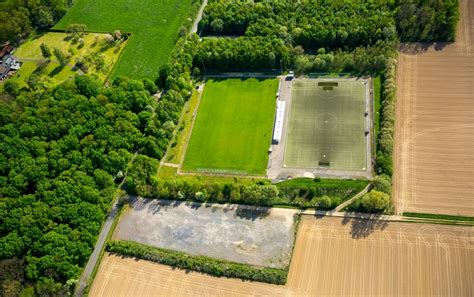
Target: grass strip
438 216
202 264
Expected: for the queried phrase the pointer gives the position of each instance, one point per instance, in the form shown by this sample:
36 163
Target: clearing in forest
327 125
95 51
154 25
233 128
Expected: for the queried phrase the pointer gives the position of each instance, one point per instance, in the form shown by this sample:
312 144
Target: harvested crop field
236 233
434 154
332 256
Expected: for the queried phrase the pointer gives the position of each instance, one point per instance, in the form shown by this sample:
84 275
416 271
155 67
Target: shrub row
199 263
387 125
321 194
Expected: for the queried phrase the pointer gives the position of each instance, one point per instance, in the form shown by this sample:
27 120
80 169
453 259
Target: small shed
6 50
4 69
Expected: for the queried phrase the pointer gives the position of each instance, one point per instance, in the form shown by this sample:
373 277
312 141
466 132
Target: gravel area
256 236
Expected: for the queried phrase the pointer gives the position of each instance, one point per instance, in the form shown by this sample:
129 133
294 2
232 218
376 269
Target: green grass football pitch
154 25
326 128
233 128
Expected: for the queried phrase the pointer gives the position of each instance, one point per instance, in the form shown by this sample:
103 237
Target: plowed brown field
434 154
332 257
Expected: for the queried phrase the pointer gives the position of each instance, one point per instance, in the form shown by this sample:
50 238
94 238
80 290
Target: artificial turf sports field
233 128
154 25
326 128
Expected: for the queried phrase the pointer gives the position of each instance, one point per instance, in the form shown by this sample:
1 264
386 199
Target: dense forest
21 17
61 150
428 20
331 24
311 24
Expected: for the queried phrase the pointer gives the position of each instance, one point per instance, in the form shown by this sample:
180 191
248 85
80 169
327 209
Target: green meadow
233 128
154 25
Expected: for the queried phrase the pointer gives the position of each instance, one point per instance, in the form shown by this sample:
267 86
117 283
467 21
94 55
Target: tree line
21 17
320 194
215 267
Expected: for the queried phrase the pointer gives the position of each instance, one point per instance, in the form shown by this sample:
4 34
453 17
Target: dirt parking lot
241 234
332 257
434 146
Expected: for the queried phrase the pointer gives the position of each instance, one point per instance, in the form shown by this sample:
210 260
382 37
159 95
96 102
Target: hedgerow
305 193
215 267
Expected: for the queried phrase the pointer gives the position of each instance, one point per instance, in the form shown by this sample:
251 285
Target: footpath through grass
438 216
233 128
154 24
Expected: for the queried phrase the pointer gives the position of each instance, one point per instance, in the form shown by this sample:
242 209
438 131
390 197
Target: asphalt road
198 17
86 274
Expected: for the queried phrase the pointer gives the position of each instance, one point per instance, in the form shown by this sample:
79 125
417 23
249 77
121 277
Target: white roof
278 129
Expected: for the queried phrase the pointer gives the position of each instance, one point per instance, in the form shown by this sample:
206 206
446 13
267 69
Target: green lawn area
154 24
93 47
178 147
233 128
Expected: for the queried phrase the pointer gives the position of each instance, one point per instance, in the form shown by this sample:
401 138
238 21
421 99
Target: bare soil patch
434 154
332 257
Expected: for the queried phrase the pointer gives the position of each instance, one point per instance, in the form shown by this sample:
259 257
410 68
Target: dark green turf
326 128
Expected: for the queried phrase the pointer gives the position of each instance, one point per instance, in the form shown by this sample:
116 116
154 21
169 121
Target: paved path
349 201
99 246
198 17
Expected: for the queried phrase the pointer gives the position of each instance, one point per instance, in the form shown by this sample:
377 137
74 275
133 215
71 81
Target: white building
278 127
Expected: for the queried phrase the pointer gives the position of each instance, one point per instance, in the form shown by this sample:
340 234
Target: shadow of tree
56 71
252 213
416 48
364 224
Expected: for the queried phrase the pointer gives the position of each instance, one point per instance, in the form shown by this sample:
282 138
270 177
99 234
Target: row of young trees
20 17
61 150
331 24
316 194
